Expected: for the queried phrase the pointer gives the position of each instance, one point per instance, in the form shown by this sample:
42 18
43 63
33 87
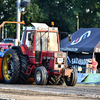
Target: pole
2 32
5 32
77 22
93 55
18 20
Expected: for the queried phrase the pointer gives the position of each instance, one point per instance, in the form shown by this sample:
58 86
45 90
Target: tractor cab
40 38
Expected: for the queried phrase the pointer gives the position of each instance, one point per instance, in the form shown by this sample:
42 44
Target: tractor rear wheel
10 66
24 63
72 80
40 76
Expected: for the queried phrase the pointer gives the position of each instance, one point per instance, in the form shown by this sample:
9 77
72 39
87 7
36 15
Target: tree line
62 12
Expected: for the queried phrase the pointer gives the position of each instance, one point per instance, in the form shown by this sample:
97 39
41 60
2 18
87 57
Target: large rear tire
10 66
72 80
24 63
41 76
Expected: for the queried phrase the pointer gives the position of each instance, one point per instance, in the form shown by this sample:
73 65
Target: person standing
94 65
1 52
9 46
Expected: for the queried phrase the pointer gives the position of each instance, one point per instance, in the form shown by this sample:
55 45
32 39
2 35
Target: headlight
59 65
56 66
64 54
60 60
62 66
56 55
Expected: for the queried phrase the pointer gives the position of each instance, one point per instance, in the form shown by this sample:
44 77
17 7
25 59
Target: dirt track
25 92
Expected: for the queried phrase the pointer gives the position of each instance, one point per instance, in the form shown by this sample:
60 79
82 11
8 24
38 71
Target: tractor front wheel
40 76
72 80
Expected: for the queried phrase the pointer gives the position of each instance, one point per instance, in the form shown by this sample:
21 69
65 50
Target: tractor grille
60 62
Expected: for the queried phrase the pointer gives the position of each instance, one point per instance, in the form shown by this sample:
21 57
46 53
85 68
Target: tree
9 11
62 12
88 12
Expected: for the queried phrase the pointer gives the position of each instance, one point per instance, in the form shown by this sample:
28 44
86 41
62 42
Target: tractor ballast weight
38 56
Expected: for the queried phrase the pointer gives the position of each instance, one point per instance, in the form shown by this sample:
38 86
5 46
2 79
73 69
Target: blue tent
83 40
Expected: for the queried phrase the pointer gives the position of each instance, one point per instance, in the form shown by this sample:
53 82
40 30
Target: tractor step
29 69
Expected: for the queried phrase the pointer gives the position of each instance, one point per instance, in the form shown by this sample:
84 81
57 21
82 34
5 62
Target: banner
93 78
78 60
81 77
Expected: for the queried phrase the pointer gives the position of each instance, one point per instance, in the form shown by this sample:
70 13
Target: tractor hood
54 54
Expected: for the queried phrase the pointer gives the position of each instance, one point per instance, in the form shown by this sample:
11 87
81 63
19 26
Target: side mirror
69 37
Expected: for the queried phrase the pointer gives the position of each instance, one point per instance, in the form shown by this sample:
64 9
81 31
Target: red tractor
38 56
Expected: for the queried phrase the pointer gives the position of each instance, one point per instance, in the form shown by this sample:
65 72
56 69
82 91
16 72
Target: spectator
1 52
94 64
9 46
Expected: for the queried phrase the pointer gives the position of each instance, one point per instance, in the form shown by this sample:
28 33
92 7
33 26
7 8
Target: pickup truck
6 42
